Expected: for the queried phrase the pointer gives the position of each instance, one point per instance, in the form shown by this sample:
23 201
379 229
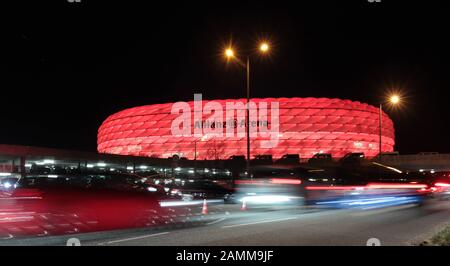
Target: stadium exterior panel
306 126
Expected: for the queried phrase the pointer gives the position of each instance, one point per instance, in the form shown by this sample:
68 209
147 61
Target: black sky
64 67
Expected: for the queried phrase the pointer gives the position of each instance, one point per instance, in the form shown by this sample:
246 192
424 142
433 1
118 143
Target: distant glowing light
229 52
388 167
395 99
152 189
440 184
101 164
358 144
395 186
264 47
370 186
335 188
186 203
286 181
267 199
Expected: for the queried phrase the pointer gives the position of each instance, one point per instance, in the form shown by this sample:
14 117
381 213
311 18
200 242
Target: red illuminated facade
307 126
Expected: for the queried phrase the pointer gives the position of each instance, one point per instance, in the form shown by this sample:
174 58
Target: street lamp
230 55
264 47
393 100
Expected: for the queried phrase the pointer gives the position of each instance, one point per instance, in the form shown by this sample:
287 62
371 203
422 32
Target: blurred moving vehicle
354 182
52 204
193 189
8 183
271 185
359 183
438 185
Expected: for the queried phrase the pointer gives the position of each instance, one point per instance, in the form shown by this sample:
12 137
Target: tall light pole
394 99
380 119
247 117
230 54
202 138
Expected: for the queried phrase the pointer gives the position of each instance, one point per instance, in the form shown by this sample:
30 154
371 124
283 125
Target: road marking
133 238
260 222
217 221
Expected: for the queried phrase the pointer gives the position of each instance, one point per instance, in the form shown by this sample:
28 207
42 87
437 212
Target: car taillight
441 184
395 185
285 181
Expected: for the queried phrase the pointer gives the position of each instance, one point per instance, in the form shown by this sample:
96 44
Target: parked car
262 160
289 159
321 158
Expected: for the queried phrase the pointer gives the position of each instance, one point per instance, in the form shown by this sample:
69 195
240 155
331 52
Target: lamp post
393 100
202 138
380 119
230 55
247 118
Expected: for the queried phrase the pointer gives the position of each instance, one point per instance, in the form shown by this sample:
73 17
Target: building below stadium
307 126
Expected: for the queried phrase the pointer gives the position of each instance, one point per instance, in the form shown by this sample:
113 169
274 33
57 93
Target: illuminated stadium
306 126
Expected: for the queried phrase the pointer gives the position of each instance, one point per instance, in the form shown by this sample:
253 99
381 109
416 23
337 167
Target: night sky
65 67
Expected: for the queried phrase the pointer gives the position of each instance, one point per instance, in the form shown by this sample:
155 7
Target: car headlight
176 192
152 189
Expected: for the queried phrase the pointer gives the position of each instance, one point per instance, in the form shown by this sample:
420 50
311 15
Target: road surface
227 225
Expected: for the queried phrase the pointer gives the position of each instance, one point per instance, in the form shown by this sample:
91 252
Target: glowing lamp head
264 47
395 99
229 53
